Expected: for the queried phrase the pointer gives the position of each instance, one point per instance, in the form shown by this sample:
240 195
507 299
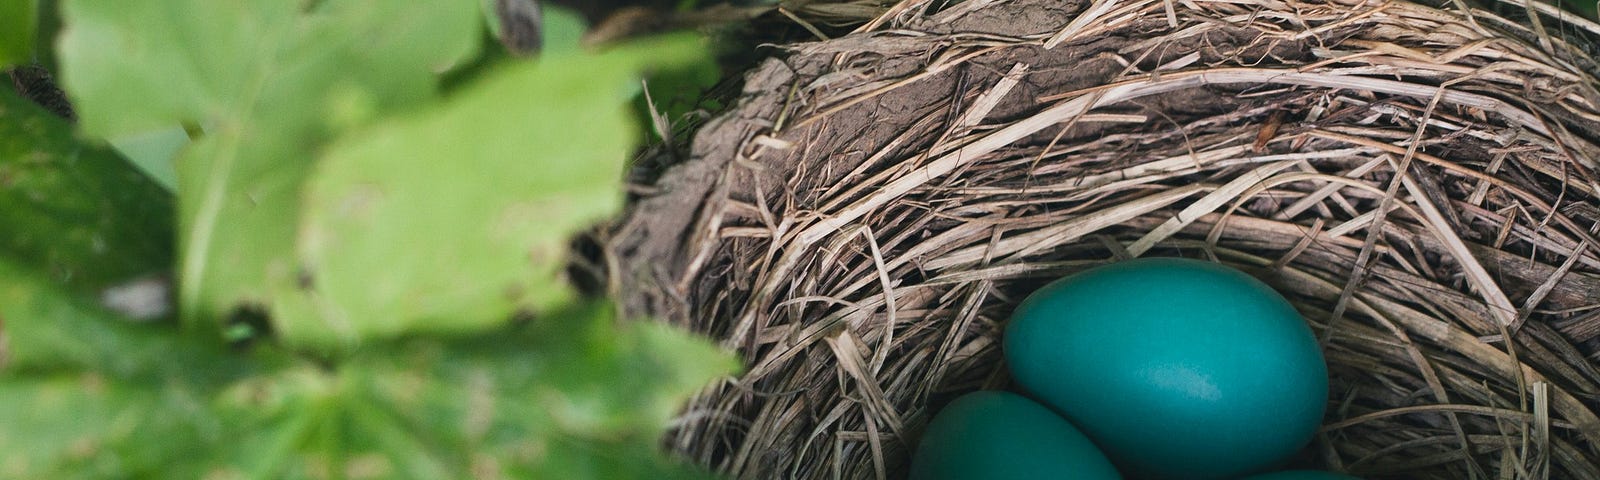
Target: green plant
389 227
18 22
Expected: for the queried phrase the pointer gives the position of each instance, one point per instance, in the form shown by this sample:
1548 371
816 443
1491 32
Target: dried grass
861 223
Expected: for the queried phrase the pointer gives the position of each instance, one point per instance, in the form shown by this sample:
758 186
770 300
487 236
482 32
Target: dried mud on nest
859 225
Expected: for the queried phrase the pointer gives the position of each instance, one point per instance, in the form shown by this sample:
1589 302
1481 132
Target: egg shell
1001 436
1175 368
1300 475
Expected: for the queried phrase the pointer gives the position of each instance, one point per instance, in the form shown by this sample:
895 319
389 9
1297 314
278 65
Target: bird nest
1419 180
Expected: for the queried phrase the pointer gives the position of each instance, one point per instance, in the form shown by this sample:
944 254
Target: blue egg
1004 436
1175 368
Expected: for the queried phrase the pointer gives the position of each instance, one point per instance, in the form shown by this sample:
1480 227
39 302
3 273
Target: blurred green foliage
270 83
19 20
1585 7
492 184
388 228
78 212
573 395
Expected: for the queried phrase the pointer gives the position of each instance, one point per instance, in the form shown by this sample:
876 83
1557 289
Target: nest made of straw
859 225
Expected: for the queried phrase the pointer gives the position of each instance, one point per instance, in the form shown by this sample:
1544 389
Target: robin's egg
1003 436
1176 368
1300 475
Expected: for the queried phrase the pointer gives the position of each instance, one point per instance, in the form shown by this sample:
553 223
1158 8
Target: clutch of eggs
1174 368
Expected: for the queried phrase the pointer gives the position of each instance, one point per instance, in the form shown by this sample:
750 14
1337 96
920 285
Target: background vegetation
367 208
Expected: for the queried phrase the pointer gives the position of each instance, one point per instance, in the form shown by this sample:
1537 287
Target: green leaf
45 328
83 393
19 19
154 152
453 218
573 395
576 395
563 29
45 37
84 425
78 212
629 376
270 81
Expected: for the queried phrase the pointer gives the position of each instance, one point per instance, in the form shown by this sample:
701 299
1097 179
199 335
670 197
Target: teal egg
1300 475
1003 436
1176 368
